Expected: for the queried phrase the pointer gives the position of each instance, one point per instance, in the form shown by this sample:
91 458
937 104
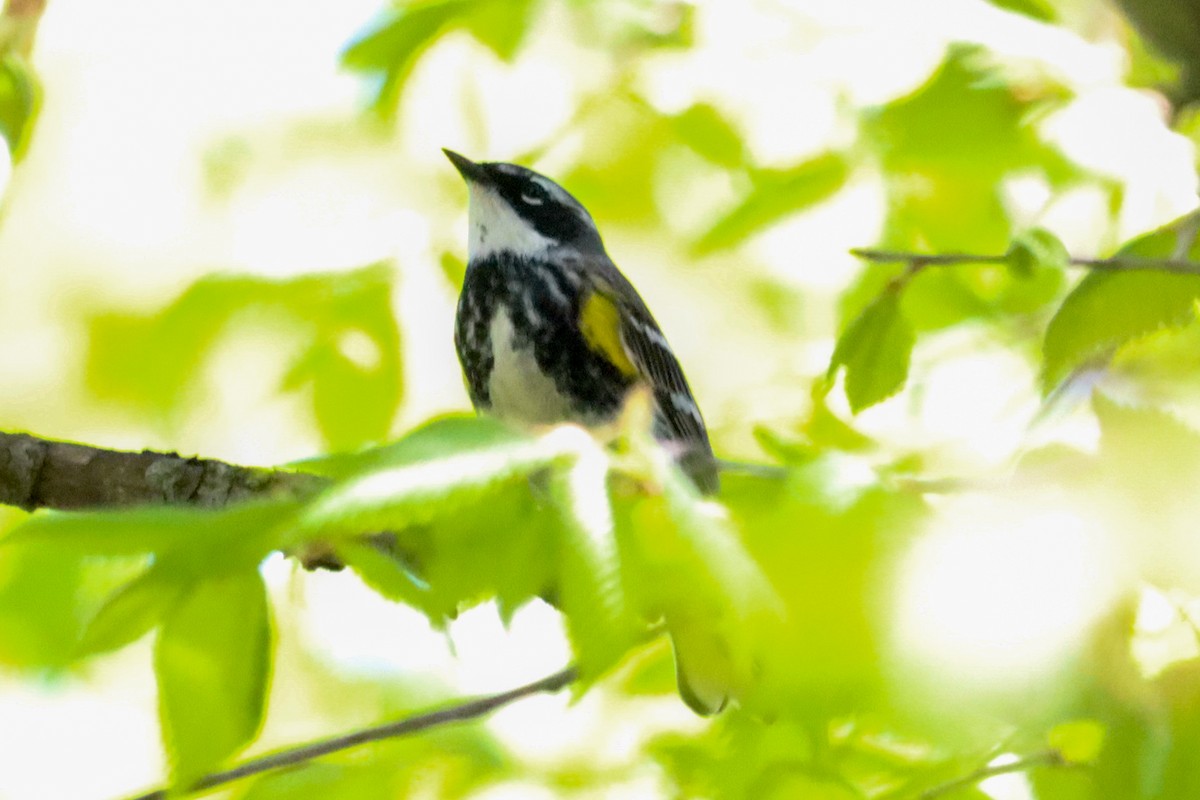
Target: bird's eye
534 195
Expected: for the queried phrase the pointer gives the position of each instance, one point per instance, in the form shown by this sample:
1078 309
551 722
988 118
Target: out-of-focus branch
460 712
1045 758
1179 266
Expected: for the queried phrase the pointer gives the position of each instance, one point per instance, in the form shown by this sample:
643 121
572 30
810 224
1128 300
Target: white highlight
496 228
1001 591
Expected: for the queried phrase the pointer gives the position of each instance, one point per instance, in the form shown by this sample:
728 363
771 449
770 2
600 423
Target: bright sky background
115 199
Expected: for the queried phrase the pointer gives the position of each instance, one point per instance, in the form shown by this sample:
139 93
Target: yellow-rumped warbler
549 330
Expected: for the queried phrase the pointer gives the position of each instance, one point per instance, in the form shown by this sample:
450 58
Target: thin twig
1045 758
769 471
471 709
1179 266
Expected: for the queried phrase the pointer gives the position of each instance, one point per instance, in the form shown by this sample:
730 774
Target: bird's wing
645 348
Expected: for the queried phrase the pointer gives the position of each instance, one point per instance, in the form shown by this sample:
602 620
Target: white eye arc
533 200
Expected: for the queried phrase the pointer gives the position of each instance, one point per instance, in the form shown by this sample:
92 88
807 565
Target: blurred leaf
1041 10
591 591
738 755
1111 308
875 350
706 130
392 498
389 50
41 605
20 100
648 670
1078 742
774 194
243 531
354 363
616 177
825 538
212 661
323 780
350 355
132 611
454 269
1150 68
439 437
1179 686
947 147
1036 249
501 25
1173 28
685 564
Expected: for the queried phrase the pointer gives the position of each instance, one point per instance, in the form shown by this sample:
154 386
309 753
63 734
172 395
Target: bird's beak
472 173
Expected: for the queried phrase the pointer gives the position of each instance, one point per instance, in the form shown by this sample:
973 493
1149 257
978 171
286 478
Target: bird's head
516 210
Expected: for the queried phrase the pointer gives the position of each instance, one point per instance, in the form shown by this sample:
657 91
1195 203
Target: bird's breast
520 391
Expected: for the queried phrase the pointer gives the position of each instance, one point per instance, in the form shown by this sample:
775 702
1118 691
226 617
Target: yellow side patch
600 322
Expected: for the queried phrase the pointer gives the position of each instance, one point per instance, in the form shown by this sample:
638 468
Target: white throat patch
495 227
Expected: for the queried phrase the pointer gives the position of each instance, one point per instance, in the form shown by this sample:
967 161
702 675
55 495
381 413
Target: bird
549 330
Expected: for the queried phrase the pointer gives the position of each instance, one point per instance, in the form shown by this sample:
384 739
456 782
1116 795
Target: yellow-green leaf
1112 308
212 661
131 611
875 349
1079 741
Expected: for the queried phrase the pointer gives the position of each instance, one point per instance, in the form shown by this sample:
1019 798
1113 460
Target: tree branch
461 712
1045 758
42 473
1179 266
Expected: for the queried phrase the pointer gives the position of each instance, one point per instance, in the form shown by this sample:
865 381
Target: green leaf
41 606
707 131
1036 249
439 437
1179 689
500 25
774 195
392 498
244 531
824 538
132 611
349 353
212 661
390 577
1107 310
390 49
1172 29
503 544
353 363
875 349
687 566
591 589
1112 308
20 100
1041 10
1079 741
464 499
326 781
947 147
